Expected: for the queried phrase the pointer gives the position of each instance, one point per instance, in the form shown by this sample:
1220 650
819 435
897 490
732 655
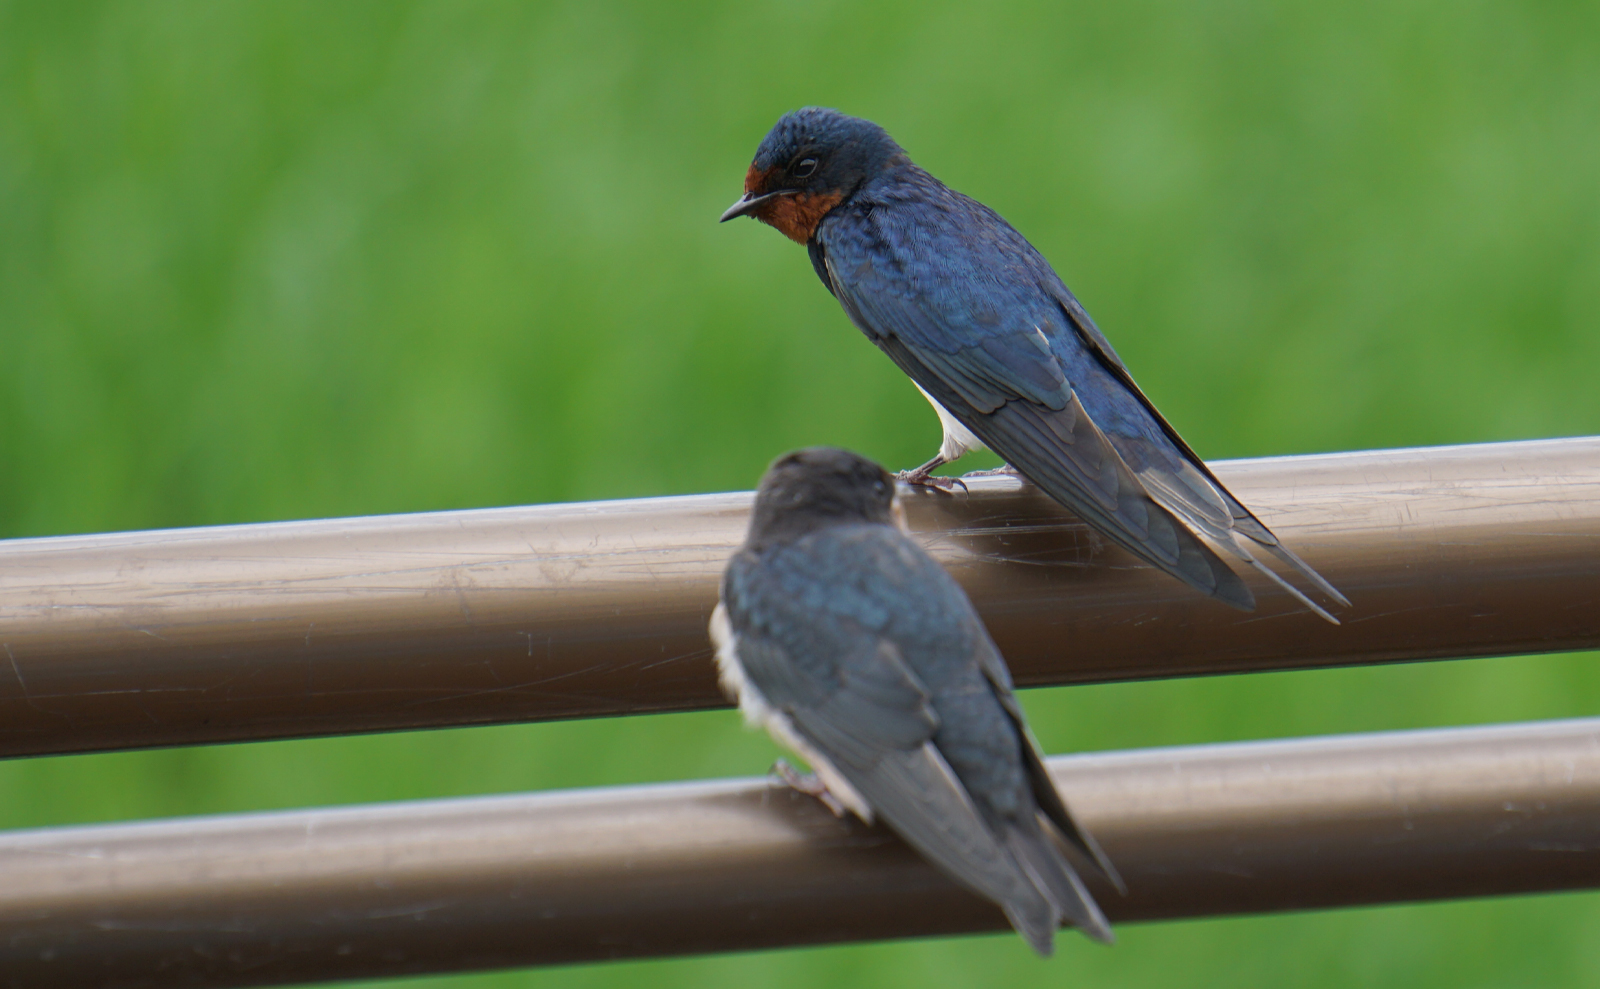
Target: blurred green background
296 259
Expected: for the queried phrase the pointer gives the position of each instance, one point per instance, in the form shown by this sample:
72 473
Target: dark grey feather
1049 872
880 664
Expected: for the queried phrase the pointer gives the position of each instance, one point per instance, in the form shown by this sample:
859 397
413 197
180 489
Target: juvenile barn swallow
854 649
1008 357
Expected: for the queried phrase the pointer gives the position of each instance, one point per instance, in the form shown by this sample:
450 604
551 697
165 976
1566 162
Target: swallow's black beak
747 204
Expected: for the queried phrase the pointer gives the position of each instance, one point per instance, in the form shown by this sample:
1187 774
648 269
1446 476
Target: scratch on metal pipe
1274 616
584 671
149 713
345 577
27 697
59 853
130 690
526 686
72 695
419 910
207 926
699 653
1372 616
461 595
1225 870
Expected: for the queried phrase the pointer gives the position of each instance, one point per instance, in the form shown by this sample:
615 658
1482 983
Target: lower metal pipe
564 611
387 890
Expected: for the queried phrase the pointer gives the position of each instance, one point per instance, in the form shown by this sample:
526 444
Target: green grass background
273 260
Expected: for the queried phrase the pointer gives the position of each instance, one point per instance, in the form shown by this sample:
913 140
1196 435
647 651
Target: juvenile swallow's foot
1004 470
809 784
923 477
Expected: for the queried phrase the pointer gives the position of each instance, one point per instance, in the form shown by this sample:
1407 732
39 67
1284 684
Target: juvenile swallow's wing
850 636
1044 787
977 337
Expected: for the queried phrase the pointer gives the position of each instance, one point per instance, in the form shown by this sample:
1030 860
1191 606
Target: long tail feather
1294 592
1052 875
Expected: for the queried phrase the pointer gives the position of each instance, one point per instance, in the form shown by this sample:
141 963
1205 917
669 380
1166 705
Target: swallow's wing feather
866 702
1169 467
982 348
1045 793
810 621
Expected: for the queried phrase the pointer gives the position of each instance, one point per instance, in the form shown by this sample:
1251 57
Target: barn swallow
1007 356
854 649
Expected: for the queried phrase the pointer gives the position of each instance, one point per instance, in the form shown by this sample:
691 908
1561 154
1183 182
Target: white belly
958 439
758 713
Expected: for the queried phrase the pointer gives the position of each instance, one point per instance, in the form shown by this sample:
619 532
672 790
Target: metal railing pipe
388 890
456 618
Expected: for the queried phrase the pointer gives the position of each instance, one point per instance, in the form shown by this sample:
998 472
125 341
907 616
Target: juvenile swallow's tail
1055 811
1053 877
917 794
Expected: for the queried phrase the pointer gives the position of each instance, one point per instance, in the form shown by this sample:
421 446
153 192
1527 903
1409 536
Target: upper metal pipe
432 886
561 611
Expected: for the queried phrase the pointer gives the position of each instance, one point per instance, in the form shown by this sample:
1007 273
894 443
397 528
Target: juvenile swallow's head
818 487
810 161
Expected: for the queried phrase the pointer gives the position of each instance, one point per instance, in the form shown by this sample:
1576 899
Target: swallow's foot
923 477
1004 470
929 481
809 784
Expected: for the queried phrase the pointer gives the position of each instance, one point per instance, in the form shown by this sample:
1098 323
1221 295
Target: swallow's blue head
817 487
812 160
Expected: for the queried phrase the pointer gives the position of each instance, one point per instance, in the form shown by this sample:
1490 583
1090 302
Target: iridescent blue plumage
837 633
981 322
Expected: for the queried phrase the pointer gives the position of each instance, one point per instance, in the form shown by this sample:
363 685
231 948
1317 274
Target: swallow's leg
809 784
923 476
1004 470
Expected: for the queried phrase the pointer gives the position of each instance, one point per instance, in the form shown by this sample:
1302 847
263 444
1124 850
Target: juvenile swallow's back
843 638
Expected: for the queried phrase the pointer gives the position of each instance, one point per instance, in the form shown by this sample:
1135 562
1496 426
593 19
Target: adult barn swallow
854 649
1008 357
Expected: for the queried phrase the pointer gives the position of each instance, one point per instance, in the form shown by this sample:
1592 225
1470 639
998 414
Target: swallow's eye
803 168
